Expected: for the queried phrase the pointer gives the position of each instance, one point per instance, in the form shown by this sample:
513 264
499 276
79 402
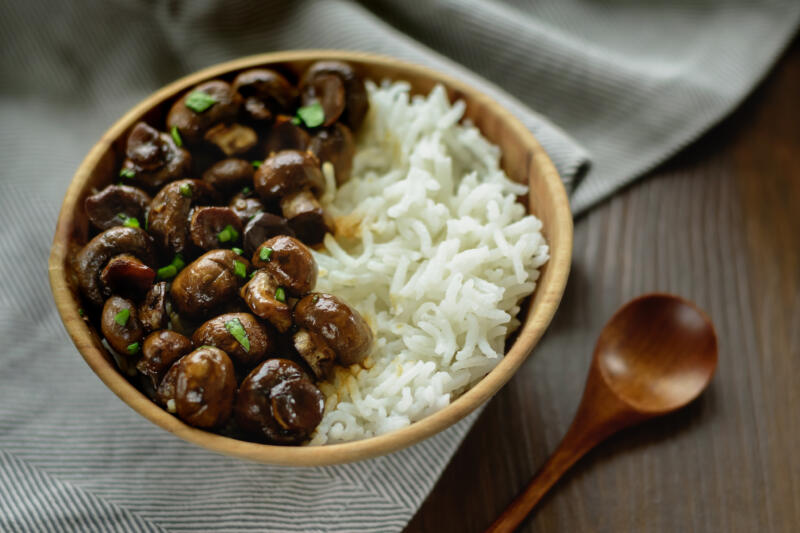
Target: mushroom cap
356 99
278 402
207 283
126 274
168 219
260 296
342 327
246 208
204 387
308 220
208 222
91 259
290 262
288 171
261 227
216 332
285 135
265 92
160 350
229 175
153 156
120 335
336 145
192 124
104 207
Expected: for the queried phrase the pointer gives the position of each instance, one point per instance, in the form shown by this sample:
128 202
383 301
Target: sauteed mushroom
91 259
160 350
153 157
153 310
286 135
265 92
268 300
200 387
324 82
240 335
308 220
277 402
231 139
203 106
115 205
335 144
331 320
261 227
229 175
120 326
288 171
169 212
126 274
214 227
289 262
209 282
246 207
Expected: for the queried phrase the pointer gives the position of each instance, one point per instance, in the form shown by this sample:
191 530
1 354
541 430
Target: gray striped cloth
629 82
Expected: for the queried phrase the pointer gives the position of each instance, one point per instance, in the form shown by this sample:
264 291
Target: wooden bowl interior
523 159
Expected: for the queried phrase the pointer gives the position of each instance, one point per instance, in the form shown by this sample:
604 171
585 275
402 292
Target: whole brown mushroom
126 274
286 135
240 335
230 175
200 388
90 260
121 327
265 93
209 282
324 82
169 221
268 300
290 262
215 227
335 145
153 158
333 322
203 106
115 205
288 171
160 350
277 402
305 215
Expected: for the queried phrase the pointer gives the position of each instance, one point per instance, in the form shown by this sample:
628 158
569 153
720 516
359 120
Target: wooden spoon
655 355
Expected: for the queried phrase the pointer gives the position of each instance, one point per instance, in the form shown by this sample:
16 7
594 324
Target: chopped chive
246 190
186 190
167 272
228 234
130 222
236 329
133 348
80 311
265 254
122 317
280 295
178 262
257 164
238 250
239 269
176 136
295 121
313 115
199 101
127 173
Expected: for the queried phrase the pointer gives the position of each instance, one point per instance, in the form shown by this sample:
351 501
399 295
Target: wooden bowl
523 159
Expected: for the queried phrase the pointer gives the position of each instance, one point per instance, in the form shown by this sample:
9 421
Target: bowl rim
531 331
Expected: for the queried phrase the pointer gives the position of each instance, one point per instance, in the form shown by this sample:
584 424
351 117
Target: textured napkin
631 82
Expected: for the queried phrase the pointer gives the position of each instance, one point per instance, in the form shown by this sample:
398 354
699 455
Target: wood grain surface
719 224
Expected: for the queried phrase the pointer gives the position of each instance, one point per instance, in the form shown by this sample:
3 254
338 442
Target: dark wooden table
719 224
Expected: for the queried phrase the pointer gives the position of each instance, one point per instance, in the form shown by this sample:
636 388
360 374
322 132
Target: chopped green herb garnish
186 190
178 262
130 222
228 234
265 253
257 164
176 136
313 115
133 348
238 250
295 121
127 173
253 273
246 190
122 317
236 329
280 295
198 101
80 311
167 272
239 269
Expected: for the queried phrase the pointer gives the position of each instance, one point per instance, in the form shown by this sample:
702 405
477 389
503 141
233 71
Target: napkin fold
630 83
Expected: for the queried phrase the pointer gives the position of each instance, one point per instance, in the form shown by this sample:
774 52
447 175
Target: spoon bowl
655 355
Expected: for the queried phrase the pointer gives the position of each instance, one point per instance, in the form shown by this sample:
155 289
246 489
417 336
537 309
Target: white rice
433 250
